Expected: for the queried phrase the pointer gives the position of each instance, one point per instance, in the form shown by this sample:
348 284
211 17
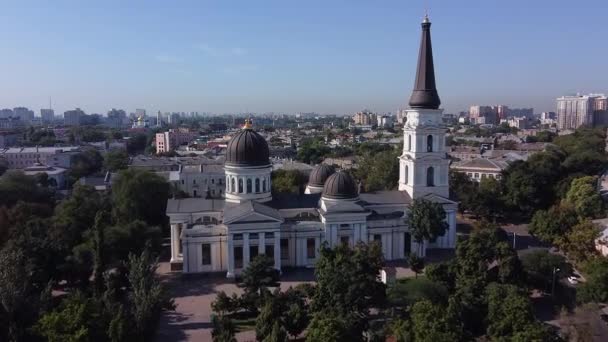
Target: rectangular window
253 236
476 175
284 249
344 240
310 248
253 252
407 244
269 251
206 254
269 235
378 239
238 257
237 237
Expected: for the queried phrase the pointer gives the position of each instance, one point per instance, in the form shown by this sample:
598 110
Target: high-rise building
483 114
6 113
168 141
47 115
116 118
159 119
581 110
73 117
364 118
23 113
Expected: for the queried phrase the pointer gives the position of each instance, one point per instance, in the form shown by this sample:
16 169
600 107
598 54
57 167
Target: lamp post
555 270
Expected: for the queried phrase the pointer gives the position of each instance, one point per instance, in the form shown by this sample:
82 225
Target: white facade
424 166
251 183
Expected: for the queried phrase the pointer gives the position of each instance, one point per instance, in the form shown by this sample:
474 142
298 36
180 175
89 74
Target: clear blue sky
289 56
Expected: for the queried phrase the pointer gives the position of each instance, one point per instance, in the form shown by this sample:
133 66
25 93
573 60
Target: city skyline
337 58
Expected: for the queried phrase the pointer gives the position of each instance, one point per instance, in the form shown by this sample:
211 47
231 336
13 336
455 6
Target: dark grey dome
319 175
340 185
247 148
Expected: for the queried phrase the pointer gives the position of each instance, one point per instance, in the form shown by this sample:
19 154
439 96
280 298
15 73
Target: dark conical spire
425 94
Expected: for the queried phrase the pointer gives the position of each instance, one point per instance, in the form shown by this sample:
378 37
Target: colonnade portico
245 242
248 184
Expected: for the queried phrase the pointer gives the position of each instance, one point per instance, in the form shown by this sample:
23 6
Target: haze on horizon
336 56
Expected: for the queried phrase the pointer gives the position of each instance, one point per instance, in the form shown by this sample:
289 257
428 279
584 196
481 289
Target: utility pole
555 270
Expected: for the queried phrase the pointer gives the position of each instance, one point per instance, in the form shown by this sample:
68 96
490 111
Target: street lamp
555 270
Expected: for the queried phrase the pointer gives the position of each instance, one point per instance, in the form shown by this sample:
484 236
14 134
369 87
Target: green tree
579 243
406 292
140 195
225 305
85 163
268 317
148 297
137 144
277 334
116 160
431 323
15 287
488 199
313 151
509 311
259 275
585 198
347 282
330 326
75 320
379 170
464 190
416 263
223 329
427 221
549 225
540 265
288 181
595 289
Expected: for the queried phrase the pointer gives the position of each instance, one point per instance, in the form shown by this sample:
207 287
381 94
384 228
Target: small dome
340 185
319 175
247 148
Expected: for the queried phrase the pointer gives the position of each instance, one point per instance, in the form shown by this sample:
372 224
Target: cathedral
223 235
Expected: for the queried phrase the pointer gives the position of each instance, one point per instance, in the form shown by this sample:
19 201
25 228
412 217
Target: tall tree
427 221
140 195
585 198
549 225
148 297
347 282
431 323
116 160
579 243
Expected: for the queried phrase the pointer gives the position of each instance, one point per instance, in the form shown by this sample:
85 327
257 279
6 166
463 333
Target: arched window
429 143
264 185
249 190
257 185
232 187
409 142
240 185
406 176
430 176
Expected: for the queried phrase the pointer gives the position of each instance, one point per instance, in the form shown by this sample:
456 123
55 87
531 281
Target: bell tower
424 165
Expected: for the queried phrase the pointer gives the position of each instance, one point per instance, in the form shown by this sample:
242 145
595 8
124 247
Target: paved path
191 320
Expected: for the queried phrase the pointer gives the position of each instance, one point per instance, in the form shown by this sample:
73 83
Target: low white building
56 175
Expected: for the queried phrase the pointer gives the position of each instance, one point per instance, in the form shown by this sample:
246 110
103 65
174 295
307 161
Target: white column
277 250
261 243
245 249
174 241
230 273
364 232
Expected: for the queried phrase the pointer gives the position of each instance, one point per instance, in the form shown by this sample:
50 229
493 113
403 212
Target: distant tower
423 165
159 119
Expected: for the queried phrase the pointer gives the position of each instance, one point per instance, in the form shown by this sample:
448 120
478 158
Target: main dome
340 185
247 148
319 175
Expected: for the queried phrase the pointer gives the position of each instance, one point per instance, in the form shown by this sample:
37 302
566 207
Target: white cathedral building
224 235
